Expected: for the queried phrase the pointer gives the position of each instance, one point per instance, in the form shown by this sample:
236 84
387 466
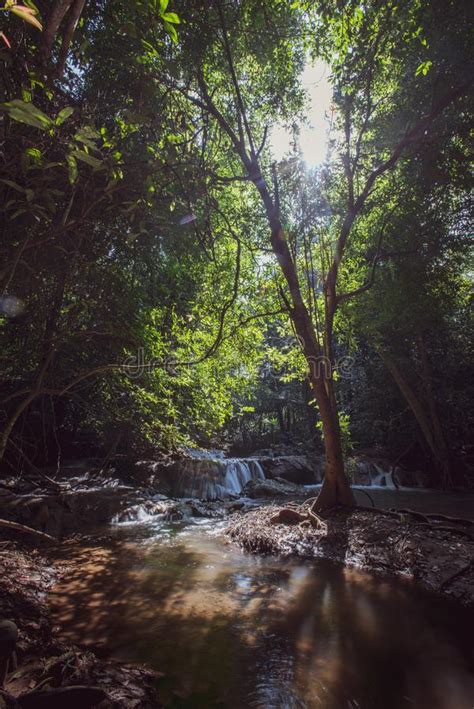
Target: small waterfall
373 474
214 479
141 512
381 478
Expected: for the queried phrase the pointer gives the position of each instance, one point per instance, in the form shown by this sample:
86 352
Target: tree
229 71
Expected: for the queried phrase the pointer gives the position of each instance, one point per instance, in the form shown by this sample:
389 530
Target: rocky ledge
437 553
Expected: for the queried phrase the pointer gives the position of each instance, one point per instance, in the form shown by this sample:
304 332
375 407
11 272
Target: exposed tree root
370 498
316 521
447 582
381 540
434 517
304 516
299 515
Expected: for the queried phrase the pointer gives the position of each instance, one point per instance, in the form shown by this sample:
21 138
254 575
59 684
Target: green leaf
88 159
171 17
34 154
172 32
14 185
87 133
63 115
424 68
32 6
72 168
27 112
163 5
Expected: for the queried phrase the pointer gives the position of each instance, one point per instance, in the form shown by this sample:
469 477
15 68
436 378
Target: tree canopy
167 281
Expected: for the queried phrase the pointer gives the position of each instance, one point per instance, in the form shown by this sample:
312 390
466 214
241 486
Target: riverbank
52 673
438 556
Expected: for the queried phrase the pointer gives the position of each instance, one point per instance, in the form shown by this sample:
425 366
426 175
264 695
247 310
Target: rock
71 511
287 516
359 472
202 508
404 478
273 488
295 469
421 478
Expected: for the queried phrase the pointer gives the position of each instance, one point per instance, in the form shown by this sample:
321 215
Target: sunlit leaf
85 157
171 31
171 17
27 112
63 115
72 168
27 15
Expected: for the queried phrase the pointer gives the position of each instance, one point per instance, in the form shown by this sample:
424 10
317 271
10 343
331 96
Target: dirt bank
46 665
439 556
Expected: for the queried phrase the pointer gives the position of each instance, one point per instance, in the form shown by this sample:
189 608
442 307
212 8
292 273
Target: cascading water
381 478
214 479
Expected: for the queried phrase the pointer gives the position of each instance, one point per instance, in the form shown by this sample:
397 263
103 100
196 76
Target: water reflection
230 630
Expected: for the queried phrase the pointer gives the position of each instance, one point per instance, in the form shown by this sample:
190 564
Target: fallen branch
17 527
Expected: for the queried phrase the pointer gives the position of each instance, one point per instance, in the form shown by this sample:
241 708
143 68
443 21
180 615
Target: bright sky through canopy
314 132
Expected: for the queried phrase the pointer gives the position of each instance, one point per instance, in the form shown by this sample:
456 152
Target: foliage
136 155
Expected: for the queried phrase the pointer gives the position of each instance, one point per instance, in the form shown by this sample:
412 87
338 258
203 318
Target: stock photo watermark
139 364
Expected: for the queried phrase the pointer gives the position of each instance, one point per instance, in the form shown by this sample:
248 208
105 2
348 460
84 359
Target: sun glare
313 137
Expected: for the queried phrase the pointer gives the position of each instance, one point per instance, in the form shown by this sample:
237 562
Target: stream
227 629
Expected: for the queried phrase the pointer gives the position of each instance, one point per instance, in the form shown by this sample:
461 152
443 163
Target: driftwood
17 527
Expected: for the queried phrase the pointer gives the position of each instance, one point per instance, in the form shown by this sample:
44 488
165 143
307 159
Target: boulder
294 469
273 488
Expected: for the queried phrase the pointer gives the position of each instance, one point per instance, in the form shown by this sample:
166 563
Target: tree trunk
439 439
10 424
436 444
336 489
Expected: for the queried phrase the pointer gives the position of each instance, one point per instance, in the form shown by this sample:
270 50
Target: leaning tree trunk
435 442
336 489
444 459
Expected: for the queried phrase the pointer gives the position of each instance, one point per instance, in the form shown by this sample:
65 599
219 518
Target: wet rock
206 508
294 469
71 511
404 478
273 488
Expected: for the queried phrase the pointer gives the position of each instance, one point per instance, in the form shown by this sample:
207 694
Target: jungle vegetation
166 281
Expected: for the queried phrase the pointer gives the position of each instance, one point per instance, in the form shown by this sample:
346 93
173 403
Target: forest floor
435 552
51 673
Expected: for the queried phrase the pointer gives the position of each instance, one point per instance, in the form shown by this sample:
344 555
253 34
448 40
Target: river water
227 629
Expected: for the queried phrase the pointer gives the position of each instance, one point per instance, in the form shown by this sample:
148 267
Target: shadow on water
230 630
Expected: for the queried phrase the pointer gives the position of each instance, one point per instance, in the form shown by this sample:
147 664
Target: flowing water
228 629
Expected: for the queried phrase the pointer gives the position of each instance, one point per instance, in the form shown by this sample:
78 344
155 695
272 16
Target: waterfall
210 479
381 478
371 474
